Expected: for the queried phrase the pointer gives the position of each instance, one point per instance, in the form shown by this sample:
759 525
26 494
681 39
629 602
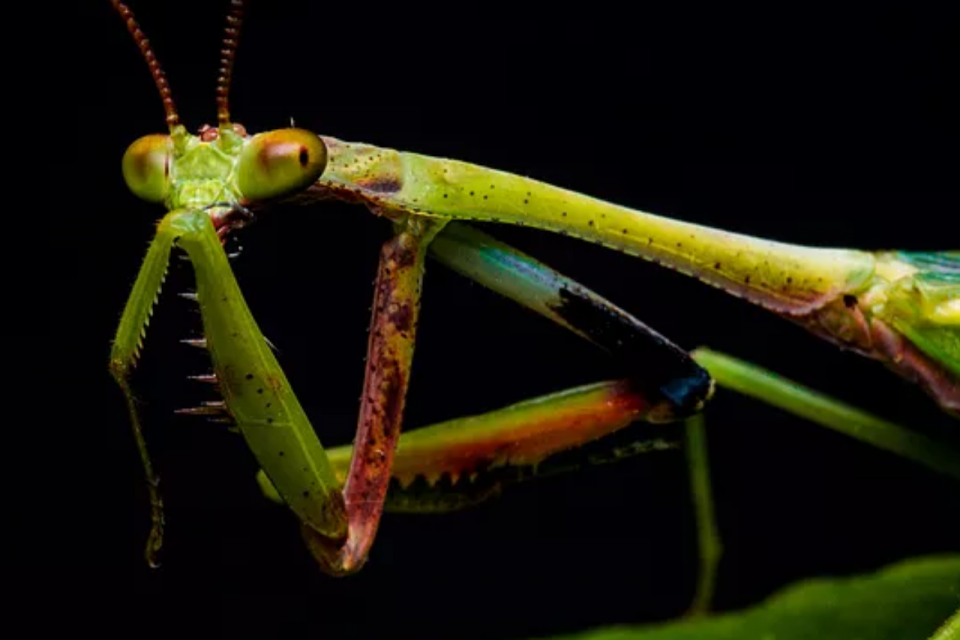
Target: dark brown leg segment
396 308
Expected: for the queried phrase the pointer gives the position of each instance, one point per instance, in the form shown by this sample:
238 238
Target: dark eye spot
850 301
304 156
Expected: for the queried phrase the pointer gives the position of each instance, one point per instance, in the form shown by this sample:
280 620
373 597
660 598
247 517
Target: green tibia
709 543
790 396
786 278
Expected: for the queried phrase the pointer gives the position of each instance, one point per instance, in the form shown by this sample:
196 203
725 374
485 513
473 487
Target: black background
799 125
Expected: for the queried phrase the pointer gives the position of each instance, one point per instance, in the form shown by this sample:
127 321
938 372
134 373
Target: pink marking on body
844 323
914 365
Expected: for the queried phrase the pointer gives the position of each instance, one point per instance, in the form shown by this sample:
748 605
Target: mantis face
222 166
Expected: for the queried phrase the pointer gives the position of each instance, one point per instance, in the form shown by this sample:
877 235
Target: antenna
228 54
159 78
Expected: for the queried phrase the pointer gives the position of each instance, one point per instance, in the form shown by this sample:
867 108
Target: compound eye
146 167
279 163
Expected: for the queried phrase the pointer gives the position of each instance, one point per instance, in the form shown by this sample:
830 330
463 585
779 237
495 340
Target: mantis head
222 166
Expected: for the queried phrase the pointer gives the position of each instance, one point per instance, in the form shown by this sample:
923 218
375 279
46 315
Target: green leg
338 527
463 461
655 364
788 395
255 390
467 460
660 367
670 388
123 357
708 537
536 286
258 397
528 282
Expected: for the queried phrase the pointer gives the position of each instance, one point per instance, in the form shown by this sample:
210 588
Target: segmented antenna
158 76
227 55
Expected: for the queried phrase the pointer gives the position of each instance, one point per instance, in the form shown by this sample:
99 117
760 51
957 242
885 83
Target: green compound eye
280 162
146 167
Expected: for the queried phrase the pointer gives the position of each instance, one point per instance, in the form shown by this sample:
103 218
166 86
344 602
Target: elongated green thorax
786 278
882 305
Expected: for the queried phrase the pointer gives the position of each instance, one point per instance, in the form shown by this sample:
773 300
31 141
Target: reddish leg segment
396 307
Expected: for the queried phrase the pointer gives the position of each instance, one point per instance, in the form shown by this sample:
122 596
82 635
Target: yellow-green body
901 308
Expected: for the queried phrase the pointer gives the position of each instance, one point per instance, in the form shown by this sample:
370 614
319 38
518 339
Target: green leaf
907 601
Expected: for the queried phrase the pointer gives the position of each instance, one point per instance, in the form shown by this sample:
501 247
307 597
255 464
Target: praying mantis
896 307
